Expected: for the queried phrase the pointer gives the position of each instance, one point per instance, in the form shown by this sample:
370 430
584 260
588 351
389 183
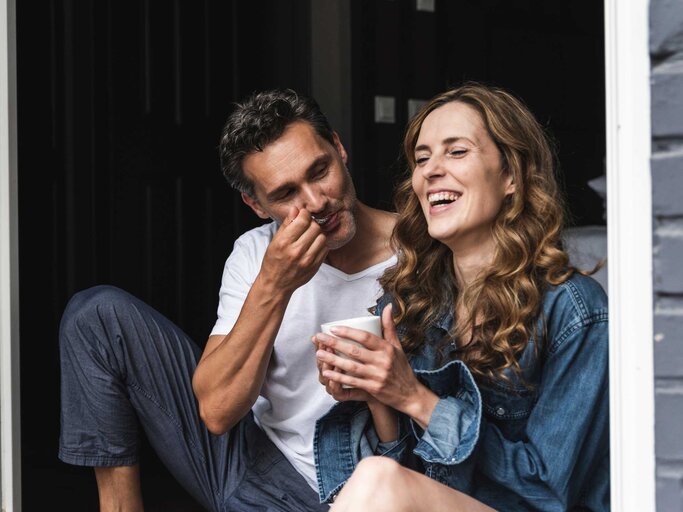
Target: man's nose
314 200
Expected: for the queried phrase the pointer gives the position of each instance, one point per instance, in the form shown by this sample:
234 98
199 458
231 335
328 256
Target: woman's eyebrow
445 142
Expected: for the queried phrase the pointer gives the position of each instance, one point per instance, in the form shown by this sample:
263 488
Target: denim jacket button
500 411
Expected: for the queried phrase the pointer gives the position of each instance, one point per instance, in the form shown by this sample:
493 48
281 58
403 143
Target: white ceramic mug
371 324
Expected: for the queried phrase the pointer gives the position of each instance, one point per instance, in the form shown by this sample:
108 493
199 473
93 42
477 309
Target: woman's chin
439 234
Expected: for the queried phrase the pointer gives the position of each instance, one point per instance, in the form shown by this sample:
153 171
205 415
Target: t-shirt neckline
358 275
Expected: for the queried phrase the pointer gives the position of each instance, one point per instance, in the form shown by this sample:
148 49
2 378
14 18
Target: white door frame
629 231
629 252
10 432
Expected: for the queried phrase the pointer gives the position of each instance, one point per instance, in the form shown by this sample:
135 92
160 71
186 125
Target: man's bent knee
87 307
88 300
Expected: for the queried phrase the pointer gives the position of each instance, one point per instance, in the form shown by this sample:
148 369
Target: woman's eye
457 152
421 159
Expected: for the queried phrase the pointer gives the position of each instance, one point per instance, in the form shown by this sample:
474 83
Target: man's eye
320 173
285 194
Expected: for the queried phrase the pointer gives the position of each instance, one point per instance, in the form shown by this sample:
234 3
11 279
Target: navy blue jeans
124 365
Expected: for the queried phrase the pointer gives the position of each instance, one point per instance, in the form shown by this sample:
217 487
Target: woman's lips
443 197
441 201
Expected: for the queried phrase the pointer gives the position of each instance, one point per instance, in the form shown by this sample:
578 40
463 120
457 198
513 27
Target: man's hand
232 368
295 253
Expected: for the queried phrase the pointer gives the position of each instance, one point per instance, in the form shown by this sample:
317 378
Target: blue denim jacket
511 446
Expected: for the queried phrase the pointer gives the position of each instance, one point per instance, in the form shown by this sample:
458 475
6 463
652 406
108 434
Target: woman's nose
433 167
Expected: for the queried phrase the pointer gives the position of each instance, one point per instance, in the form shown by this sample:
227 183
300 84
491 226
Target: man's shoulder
256 239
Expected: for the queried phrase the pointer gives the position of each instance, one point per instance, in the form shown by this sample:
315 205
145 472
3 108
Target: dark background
120 108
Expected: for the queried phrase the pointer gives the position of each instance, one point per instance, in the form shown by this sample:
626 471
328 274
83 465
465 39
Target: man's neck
370 244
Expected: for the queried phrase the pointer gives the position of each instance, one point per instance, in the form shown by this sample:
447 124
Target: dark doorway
120 109
550 54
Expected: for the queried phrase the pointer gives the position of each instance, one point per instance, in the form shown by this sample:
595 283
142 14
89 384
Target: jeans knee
86 307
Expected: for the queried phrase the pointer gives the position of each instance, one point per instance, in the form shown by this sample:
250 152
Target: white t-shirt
291 398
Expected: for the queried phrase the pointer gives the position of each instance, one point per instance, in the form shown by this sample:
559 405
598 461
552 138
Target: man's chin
342 237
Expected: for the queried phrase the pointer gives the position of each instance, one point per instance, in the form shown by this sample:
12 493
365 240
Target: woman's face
458 178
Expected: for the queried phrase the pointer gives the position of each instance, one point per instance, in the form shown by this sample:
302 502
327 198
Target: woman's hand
335 389
379 370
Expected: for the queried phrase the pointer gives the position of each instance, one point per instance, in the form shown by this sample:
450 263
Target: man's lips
327 222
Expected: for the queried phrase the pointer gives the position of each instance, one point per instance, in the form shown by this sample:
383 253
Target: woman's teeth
442 198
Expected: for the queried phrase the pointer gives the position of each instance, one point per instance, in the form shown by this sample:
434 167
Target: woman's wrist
420 405
385 421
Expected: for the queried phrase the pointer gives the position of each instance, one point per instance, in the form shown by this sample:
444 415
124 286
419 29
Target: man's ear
340 147
253 203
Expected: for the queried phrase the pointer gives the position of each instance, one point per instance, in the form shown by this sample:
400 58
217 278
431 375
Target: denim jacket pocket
509 409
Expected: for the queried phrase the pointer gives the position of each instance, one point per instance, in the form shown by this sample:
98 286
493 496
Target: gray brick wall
666 51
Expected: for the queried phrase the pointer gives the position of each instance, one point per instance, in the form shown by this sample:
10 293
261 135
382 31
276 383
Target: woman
494 384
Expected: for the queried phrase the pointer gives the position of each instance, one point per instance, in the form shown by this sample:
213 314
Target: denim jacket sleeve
567 430
454 426
452 434
564 438
343 437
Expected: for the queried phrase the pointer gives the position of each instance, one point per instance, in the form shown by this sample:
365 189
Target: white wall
10 459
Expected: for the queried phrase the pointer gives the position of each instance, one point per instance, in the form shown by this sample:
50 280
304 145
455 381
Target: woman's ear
508 183
510 186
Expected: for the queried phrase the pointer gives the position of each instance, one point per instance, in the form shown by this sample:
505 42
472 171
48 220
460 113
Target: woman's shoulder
581 294
577 303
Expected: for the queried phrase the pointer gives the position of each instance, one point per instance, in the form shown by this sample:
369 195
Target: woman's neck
468 263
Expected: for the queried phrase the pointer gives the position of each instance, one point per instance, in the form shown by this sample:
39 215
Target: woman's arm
385 421
568 429
565 438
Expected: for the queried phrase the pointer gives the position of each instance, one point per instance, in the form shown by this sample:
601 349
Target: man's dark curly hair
260 120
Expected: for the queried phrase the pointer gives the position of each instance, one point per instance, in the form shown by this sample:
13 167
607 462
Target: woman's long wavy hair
503 303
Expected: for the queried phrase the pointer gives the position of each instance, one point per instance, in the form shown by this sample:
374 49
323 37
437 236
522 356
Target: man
122 362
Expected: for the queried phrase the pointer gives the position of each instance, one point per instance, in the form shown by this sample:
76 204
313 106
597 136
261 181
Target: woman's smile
458 177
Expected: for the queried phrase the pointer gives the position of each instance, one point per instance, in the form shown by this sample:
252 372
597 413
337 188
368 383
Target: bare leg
380 484
119 489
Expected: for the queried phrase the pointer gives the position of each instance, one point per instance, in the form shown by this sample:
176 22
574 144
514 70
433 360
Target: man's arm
232 368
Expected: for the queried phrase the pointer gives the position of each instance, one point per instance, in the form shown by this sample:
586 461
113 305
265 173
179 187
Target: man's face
303 170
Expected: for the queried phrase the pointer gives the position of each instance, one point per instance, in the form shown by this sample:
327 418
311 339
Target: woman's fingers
343 379
322 365
343 394
342 346
373 367
342 363
389 328
368 340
